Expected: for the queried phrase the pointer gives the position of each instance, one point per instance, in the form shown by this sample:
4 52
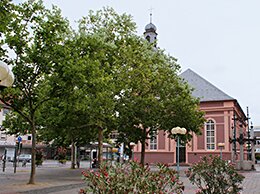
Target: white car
25 157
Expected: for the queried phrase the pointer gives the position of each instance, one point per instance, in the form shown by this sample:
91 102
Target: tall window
210 135
153 141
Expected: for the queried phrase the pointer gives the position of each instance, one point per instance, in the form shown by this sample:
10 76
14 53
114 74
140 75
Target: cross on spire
151 14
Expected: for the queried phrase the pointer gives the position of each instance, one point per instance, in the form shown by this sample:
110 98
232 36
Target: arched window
210 135
148 38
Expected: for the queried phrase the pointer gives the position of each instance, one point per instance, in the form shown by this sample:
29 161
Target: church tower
150 31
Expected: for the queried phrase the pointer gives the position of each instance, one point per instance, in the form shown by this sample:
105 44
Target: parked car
25 157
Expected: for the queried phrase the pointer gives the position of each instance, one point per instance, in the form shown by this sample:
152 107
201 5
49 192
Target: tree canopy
31 35
152 96
76 84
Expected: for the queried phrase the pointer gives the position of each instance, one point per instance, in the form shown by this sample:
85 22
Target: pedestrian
78 162
24 163
94 163
3 158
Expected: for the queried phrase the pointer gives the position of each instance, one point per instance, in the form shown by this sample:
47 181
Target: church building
225 123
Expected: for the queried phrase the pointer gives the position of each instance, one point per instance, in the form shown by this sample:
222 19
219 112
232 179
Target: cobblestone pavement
60 179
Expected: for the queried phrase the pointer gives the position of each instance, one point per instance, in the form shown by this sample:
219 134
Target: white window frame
154 141
210 134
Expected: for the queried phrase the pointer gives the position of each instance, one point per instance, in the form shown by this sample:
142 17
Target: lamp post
132 145
248 135
6 80
178 131
221 146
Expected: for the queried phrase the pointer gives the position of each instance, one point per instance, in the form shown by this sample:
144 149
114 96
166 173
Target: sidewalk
50 177
60 179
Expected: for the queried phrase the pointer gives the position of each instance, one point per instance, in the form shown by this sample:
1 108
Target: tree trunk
33 169
131 152
100 145
142 152
73 162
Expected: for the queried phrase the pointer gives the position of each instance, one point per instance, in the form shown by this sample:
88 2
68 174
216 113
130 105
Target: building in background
256 134
225 123
9 142
220 127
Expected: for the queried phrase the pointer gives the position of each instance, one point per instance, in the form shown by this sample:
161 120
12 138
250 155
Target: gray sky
218 39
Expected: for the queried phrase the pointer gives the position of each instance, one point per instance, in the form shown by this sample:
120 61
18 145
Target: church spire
150 30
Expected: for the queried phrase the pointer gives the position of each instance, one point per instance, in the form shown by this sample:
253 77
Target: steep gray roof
202 88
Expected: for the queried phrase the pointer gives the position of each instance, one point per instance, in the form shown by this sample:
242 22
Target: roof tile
203 89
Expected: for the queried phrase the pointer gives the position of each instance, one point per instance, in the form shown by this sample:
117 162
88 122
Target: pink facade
221 115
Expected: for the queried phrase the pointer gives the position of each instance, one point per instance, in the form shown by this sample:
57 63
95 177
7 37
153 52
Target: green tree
32 34
81 102
6 15
100 37
182 109
152 96
66 124
82 81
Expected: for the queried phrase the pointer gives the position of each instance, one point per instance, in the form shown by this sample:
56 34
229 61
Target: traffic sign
19 139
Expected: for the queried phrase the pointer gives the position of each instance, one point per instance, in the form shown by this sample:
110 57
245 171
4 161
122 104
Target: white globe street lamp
221 146
178 131
6 75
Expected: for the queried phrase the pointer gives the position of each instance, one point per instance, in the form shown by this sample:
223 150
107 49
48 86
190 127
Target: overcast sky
218 39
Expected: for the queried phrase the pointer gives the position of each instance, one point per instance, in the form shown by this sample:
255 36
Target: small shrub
61 155
213 175
131 178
